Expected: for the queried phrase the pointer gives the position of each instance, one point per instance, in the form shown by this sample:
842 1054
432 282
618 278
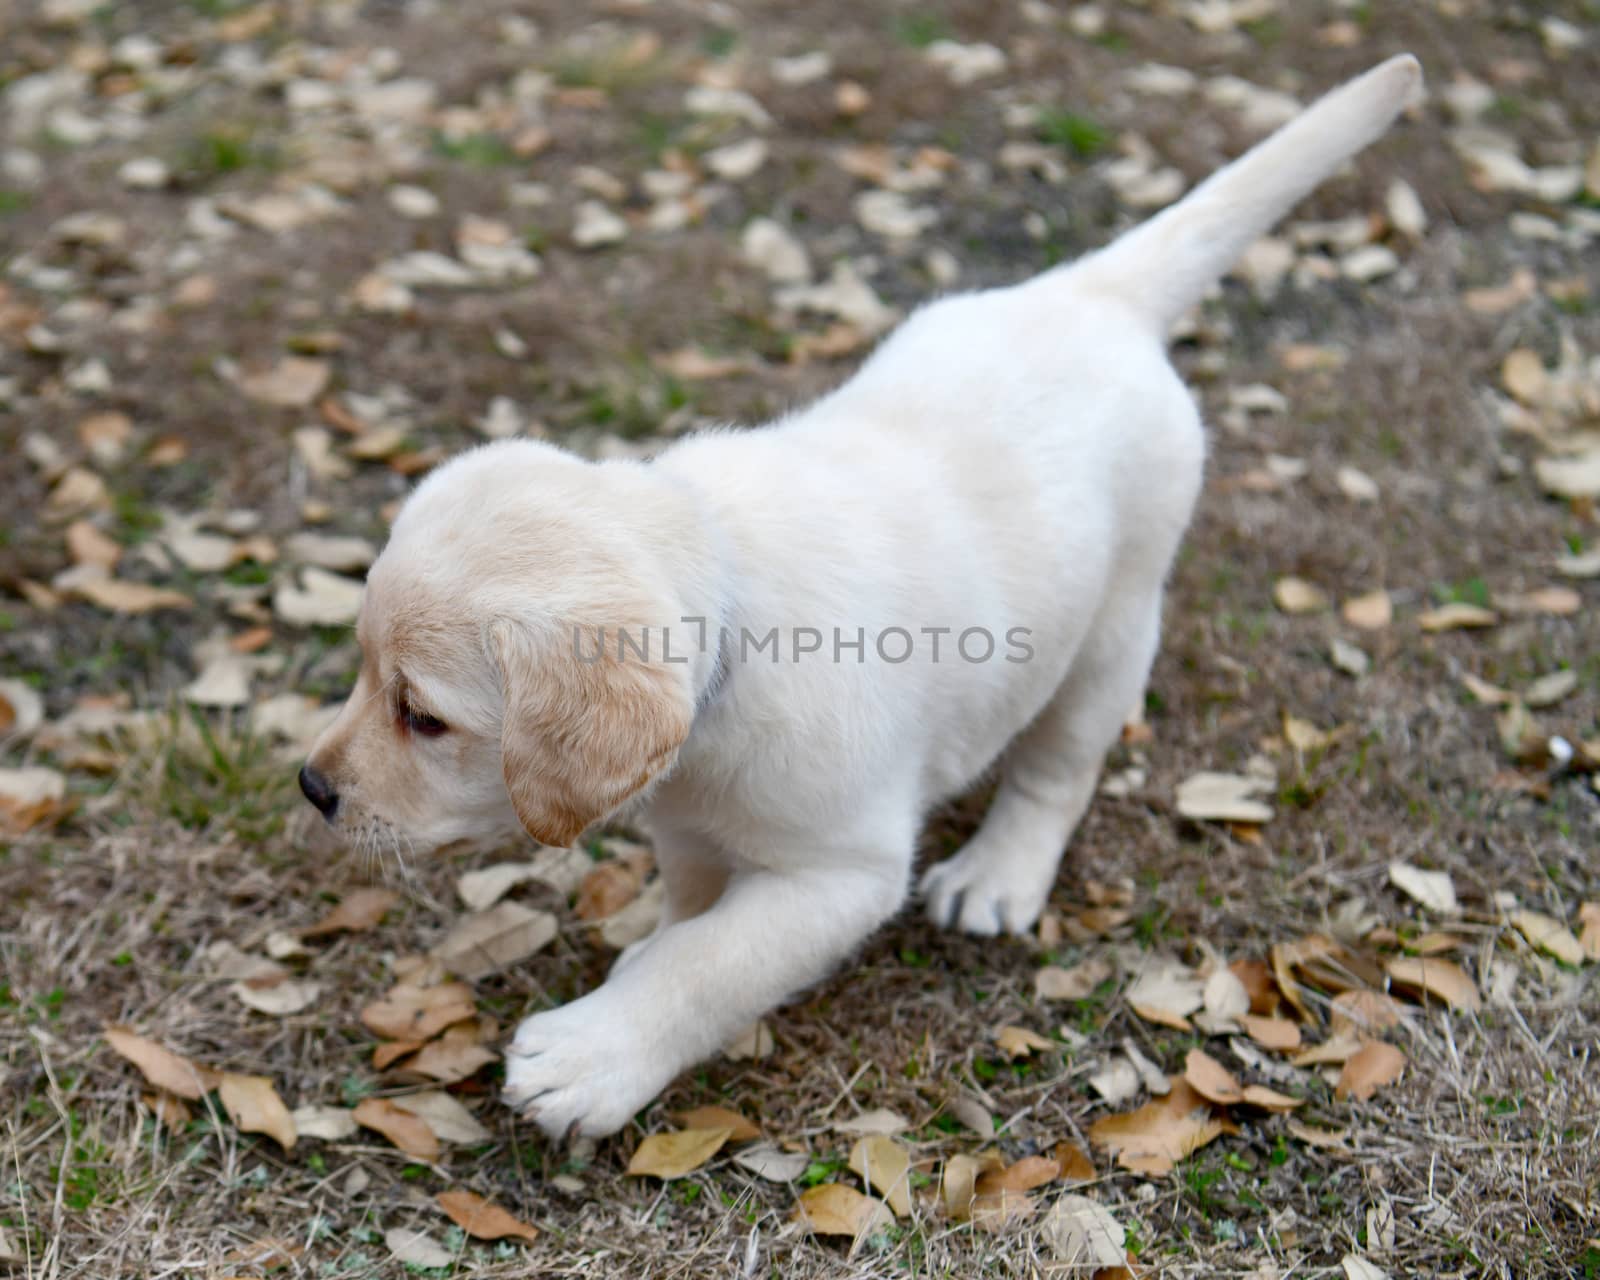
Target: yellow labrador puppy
786 644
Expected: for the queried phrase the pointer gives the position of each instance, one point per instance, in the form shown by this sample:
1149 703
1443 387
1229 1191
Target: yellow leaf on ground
1371 612
482 1220
1296 595
1020 1042
254 1105
1210 1079
1443 979
1367 1070
406 1012
883 1164
161 1067
410 1133
998 1210
672 1155
1272 1033
358 911
1457 616
739 1128
1154 1138
1549 935
834 1209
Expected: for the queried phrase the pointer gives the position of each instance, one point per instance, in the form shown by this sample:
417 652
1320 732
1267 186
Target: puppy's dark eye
421 722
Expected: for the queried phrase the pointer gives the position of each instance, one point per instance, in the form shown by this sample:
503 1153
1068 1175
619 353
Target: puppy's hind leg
1000 880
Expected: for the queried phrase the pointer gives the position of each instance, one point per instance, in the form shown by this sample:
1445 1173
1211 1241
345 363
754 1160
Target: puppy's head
483 701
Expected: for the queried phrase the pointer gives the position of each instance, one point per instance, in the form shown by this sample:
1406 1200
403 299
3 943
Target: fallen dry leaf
1547 934
406 1012
358 911
1210 1079
768 1162
1074 1162
753 1043
1335 1050
880 1120
1224 797
410 1133
1296 595
1488 694
1364 1013
1020 1042
672 1155
607 890
1457 616
1279 1034
884 1165
1589 917
492 940
739 1128
1077 983
1256 976
1083 1233
1023 1175
1371 612
1152 1139
173 1113
1367 1070
117 596
31 797
280 998
445 1114
482 1220
454 1056
1166 993
1258 1095
958 1183
417 1248
1314 1136
833 1209
1433 889
161 1067
293 383
326 1124
254 1105
1443 979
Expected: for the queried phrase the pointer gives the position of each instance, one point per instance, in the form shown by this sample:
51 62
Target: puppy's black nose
319 791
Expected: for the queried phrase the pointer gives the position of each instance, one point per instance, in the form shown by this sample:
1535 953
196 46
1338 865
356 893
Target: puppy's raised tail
1165 265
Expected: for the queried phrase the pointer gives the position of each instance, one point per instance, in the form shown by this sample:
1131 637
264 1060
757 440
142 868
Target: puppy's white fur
1021 461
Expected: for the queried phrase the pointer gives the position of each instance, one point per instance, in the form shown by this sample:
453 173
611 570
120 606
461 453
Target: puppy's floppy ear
581 733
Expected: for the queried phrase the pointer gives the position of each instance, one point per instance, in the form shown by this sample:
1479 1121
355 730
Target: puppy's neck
692 549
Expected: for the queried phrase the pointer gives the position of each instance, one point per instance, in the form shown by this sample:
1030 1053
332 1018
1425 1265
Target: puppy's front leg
590 1065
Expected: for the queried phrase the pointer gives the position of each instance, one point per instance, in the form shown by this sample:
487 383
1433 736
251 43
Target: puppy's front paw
583 1068
981 893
